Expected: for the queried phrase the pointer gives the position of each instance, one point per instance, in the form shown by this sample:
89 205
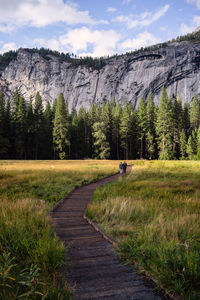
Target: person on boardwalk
124 166
120 168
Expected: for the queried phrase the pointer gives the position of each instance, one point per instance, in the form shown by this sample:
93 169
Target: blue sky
94 27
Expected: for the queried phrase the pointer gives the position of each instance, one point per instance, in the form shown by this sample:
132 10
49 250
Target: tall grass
30 253
154 215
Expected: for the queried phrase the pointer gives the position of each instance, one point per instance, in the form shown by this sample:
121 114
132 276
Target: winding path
95 271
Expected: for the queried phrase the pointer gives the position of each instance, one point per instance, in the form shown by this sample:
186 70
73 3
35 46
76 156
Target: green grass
154 214
30 254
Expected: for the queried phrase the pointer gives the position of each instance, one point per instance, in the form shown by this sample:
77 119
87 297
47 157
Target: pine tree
113 104
116 116
133 136
102 147
190 148
195 113
47 151
4 143
125 130
106 118
54 107
142 126
38 120
20 141
30 130
164 127
83 134
74 134
195 140
177 125
151 131
192 145
92 118
14 109
61 139
186 119
8 128
183 144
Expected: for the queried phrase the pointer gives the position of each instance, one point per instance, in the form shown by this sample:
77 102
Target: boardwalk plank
95 271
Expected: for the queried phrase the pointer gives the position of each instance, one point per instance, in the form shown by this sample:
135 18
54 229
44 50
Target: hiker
120 168
124 166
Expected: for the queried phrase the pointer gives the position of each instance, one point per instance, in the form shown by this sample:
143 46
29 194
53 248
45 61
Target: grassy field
154 214
30 254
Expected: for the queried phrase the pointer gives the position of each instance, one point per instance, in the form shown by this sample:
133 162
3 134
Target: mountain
128 77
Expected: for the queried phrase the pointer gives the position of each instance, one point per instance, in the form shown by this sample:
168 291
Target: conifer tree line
169 130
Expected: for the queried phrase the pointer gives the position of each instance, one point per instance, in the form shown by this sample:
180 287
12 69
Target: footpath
95 271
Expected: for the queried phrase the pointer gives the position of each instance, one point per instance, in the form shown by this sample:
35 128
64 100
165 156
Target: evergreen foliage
190 147
48 132
102 148
125 130
110 131
186 119
61 128
6 58
116 116
142 126
88 61
91 121
20 141
82 140
151 130
164 127
195 113
30 130
38 122
177 125
183 144
3 138
106 118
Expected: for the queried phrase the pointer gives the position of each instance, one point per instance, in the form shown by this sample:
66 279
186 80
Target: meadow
30 254
154 215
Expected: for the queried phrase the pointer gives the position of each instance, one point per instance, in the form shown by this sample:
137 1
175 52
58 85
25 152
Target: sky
94 27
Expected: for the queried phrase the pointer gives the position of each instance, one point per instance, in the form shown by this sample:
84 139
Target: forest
167 131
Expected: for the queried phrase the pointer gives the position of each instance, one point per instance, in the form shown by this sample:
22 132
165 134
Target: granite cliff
127 77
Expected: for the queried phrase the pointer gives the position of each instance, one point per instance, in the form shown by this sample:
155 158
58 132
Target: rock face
127 77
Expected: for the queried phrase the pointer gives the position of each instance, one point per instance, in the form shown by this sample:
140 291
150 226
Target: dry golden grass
154 215
30 254
49 180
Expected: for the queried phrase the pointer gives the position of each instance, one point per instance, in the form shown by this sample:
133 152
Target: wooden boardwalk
95 271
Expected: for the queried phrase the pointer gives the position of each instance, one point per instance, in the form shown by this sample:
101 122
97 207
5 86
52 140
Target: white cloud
39 13
142 40
195 2
83 42
144 20
52 44
111 9
7 47
190 28
92 42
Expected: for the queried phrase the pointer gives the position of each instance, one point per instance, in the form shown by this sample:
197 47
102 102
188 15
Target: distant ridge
83 81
